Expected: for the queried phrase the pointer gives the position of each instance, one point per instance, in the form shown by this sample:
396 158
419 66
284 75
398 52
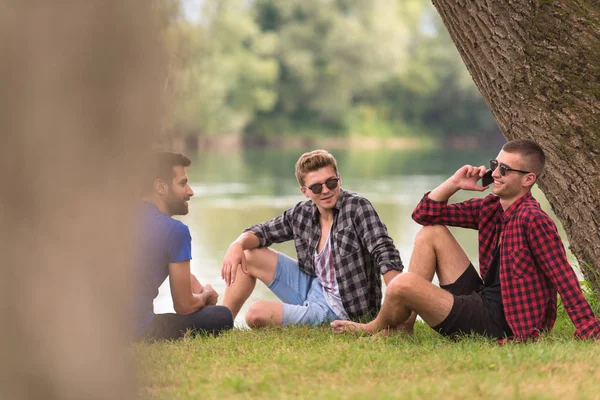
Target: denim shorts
301 294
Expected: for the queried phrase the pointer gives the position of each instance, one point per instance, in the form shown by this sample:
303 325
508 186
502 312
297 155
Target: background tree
537 65
270 68
328 51
434 93
225 72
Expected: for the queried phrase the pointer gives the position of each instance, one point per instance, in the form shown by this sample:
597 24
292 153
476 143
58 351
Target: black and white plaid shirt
360 247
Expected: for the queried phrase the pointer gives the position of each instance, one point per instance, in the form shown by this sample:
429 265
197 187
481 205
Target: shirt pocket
521 263
347 243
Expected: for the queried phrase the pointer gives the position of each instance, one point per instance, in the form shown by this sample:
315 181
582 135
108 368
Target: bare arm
235 256
388 276
197 287
465 178
247 240
185 301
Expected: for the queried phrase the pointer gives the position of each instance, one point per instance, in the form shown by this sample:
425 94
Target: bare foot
384 333
408 326
341 326
405 328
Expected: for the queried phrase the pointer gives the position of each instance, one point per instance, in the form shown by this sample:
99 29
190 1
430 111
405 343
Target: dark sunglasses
317 188
504 168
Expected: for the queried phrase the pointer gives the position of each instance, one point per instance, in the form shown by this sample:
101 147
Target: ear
340 183
303 190
529 180
160 187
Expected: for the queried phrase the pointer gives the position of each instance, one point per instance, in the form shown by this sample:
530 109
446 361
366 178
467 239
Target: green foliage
229 73
435 91
591 296
378 68
592 284
366 120
331 50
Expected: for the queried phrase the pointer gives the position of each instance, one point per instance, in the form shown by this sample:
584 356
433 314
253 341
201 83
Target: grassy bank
304 362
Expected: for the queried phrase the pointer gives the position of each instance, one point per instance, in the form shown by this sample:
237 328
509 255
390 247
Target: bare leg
261 264
265 313
435 251
407 292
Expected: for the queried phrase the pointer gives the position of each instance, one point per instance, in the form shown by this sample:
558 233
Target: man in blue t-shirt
163 248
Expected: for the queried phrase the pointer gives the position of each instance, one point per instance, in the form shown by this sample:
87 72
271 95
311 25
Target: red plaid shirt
533 263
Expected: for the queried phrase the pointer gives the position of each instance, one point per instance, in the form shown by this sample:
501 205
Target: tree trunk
80 97
537 65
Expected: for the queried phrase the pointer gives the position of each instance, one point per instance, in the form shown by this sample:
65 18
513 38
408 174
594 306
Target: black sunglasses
317 188
504 168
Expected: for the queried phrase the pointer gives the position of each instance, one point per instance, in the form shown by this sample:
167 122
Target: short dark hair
533 154
312 161
161 167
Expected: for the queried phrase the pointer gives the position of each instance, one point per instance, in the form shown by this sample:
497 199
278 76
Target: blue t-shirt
159 240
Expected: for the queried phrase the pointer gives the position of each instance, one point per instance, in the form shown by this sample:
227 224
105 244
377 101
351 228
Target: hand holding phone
487 179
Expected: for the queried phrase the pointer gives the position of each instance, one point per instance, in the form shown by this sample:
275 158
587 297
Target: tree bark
537 65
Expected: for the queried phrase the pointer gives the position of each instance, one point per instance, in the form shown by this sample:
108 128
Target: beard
177 205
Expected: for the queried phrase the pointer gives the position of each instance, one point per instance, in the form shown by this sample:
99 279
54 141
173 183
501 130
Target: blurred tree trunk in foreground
537 65
79 99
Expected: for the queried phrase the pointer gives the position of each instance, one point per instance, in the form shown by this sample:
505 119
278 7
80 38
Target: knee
259 315
255 258
429 234
251 257
402 286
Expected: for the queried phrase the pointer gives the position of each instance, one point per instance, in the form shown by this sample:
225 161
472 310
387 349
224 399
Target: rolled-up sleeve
465 214
276 230
375 238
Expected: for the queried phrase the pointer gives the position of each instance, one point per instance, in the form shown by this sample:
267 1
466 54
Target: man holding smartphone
522 260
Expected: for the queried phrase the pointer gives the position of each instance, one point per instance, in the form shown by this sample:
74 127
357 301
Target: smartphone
487 179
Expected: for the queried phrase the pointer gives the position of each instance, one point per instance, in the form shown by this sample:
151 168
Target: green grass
301 362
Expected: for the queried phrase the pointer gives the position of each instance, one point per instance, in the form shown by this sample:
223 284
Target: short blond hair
312 161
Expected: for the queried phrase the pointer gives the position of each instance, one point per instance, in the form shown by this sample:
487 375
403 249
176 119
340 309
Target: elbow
418 218
423 221
415 216
187 304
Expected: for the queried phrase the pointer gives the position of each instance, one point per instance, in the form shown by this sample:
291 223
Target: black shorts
471 312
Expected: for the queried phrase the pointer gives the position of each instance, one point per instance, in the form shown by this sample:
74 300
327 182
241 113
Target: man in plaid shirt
343 248
522 260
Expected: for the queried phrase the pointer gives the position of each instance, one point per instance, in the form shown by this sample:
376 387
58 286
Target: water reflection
235 189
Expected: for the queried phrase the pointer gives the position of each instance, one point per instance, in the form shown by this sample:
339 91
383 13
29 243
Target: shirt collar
337 207
512 209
